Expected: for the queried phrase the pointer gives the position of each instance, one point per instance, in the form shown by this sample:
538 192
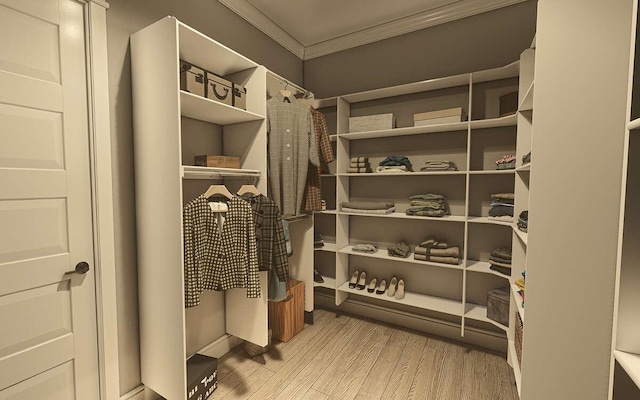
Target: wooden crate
216 161
286 318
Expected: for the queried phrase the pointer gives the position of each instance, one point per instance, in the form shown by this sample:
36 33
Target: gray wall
125 17
484 41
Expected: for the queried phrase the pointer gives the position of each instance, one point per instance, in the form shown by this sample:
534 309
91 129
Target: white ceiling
313 28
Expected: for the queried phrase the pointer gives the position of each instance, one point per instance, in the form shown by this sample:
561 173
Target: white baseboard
431 326
216 349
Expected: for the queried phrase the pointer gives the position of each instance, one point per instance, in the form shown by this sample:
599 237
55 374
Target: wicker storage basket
518 337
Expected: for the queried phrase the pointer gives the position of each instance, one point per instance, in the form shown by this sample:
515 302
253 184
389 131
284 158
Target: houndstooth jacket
219 259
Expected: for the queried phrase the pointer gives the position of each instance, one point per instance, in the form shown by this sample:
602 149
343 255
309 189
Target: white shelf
399 215
518 299
479 313
517 373
508 71
396 174
193 172
333 137
487 220
209 54
633 125
329 283
483 267
422 301
522 235
382 254
196 107
509 120
524 168
493 172
326 102
330 247
630 363
332 212
527 100
412 130
328 175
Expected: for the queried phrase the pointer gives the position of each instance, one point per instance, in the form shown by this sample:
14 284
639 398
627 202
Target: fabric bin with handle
202 377
372 123
447 116
498 305
219 89
286 318
192 79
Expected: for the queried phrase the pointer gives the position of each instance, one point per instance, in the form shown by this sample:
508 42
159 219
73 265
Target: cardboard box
202 377
192 79
216 161
447 116
239 96
219 89
372 123
498 305
508 102
286 318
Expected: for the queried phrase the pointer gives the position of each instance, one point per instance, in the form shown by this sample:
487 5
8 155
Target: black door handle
81 268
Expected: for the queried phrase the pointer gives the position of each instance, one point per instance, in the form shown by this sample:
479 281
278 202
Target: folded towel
499 264
400 249
500 260
502 270
498 211
444 260
367 205
524 215
502 252
439 165
504 218
375 212
365 248
431 204
506 203
502 196
421 212
396 160
400 168
359 165
433 243
450 252
358 170
428 196
359 159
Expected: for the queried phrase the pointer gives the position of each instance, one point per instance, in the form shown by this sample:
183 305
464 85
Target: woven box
372 123
518 337
446 116
498 305
508 102
286 318
216 161
192 79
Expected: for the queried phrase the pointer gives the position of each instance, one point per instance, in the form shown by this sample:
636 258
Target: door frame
102 196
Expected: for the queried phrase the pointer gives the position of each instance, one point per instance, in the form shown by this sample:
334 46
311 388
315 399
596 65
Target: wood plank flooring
343 357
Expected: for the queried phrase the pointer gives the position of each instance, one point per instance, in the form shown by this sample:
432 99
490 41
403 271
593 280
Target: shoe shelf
382 254
523 236
399 215
330 247
630 363
426 302
483 267
395 174
479 313
517 373
196 107
487 220
518 300
329 283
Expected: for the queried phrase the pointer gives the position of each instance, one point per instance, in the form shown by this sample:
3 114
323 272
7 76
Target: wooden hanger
244 189
220 190
286 93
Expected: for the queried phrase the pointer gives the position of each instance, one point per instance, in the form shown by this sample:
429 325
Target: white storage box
372 123
447 116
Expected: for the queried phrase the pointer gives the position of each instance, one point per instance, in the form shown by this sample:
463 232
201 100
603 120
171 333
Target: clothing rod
287 81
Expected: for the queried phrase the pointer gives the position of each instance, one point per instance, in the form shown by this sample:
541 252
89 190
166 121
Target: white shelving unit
518 301
382 254
330 247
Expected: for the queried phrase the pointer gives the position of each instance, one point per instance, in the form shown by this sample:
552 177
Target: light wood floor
342 357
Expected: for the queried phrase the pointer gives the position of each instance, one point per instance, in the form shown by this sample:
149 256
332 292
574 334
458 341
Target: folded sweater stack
500 260
506 162
359 165
394 164
400 249
501 206
368 207
428 205
438 165
523 221
437 251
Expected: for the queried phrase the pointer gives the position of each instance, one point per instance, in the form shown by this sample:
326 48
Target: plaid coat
272 249
219 258
313 188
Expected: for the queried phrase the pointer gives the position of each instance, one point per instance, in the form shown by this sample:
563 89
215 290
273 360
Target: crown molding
267 26
437 16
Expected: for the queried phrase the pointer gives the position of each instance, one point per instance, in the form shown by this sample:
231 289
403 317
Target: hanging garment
292 145
313 190
272 247
219 257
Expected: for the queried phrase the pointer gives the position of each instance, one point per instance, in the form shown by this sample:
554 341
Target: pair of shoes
358 283
372 285
396 288
382 288
317 277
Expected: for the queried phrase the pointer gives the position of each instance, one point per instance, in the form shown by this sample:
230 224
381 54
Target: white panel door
48 334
